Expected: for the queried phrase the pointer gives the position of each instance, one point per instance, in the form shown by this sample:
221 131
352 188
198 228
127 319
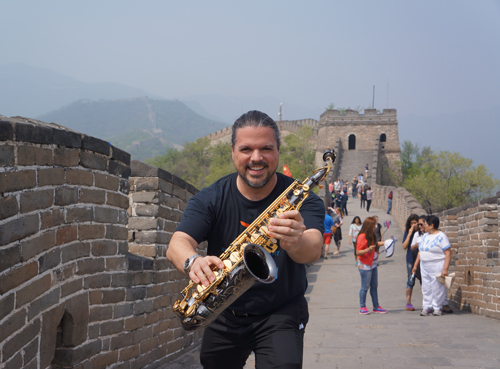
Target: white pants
434 293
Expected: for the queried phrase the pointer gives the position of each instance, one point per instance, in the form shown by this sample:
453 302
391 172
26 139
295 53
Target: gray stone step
353 162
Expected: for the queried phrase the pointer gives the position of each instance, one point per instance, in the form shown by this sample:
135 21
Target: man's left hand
288 228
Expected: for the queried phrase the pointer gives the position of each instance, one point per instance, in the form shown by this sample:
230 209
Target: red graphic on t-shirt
244 224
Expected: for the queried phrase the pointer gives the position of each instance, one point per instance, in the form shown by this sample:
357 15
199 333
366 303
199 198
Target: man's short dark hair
255 118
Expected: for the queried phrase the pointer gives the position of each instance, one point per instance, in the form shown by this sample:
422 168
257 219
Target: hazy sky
436 56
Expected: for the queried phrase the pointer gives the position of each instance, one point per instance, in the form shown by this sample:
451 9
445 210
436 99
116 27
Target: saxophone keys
227 263
306 187
200 288
273 240
264 229
191 310
234 257
296 192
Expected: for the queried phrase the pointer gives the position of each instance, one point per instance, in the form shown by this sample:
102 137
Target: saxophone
247 259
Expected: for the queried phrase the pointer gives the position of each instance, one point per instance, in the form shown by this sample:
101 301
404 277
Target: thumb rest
247 259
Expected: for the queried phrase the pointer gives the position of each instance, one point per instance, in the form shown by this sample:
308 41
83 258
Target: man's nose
256 156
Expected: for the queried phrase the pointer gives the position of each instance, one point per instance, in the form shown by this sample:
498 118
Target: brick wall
72 294
474 238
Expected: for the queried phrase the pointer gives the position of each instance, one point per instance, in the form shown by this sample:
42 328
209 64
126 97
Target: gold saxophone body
247 259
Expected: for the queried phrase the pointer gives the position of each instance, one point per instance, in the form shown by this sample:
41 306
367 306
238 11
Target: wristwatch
189 262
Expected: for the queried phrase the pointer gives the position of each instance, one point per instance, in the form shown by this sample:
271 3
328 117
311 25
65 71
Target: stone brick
107 181
33 290
119 169
33 133
66 157
97 281
79 177
116 232
30 351
6 305
8 207
123 310
104 248
18 276
106 215
37 245
52 218
96 145
29 155
113 296
146 184
111 327
71 287
121 280
90 231
42 303
9 257
104 360
90 266
116 263
66 234
20 340
36 200
97 197
100 313
16 181
143 278
74 251
122 340
93 161
50 177
80 214
143 223
117 199
129 353
49 260
66 196
146 197
133 323
136 293
6 131
67 138
7 157
15 322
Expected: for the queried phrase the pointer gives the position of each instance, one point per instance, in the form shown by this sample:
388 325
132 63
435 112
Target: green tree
221 162
298 153
444 180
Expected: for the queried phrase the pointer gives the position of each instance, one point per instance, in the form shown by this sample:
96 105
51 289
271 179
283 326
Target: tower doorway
352 142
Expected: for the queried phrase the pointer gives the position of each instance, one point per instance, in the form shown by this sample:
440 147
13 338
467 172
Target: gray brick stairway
353 162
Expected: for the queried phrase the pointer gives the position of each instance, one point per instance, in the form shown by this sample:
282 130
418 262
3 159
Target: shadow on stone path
338 337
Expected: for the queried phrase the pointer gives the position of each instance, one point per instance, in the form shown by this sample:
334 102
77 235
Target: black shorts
277 339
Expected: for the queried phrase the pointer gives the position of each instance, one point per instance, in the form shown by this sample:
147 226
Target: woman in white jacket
434 257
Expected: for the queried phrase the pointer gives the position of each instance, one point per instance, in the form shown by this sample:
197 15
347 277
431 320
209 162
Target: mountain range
125 116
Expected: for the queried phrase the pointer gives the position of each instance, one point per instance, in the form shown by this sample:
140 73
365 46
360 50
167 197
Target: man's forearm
308 249
181 247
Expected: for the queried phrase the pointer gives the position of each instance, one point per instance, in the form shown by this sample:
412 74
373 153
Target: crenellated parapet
84 281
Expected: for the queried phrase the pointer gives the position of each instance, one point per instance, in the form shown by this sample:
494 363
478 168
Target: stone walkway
338 337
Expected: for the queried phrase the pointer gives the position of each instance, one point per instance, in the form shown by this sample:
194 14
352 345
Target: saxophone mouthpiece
329 154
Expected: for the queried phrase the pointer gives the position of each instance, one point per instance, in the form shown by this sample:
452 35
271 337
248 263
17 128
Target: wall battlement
79 285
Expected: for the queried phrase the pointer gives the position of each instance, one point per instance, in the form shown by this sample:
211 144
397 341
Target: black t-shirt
220 213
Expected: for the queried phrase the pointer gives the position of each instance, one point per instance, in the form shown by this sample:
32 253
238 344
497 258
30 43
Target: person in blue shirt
327 235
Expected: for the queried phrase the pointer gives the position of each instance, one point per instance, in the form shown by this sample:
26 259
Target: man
344 199
327 236
269 319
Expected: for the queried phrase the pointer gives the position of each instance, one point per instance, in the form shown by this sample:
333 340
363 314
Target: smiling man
269 319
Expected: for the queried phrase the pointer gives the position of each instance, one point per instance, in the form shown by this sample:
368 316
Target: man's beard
260 183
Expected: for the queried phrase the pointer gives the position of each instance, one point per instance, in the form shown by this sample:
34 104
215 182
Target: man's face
255 155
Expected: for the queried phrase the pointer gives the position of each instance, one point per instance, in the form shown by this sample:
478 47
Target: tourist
389 203
367 168
327 235
362 197
353 235
367 249
434 255
344 199
354 187
413 231
378 229
337 230
369 198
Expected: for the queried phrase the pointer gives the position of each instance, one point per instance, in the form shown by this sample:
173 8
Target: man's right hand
201 271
